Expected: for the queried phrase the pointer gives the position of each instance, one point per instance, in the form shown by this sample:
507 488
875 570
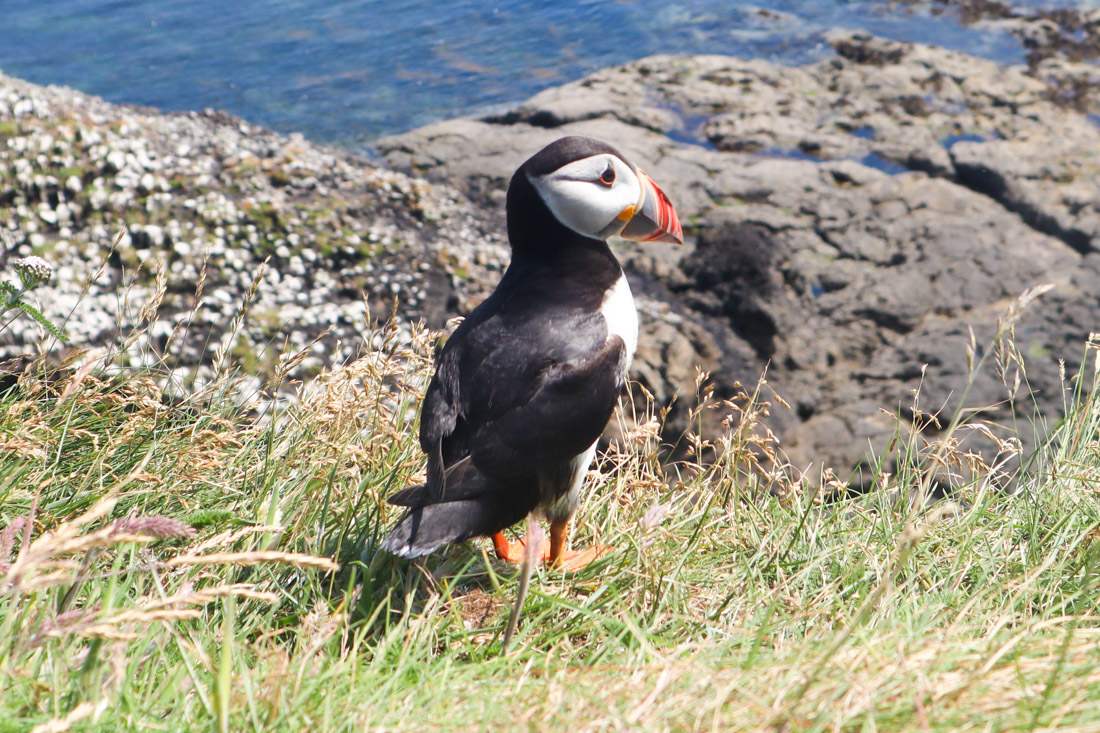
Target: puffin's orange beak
653 219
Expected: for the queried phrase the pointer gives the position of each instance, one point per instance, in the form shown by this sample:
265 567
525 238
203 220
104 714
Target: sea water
348 71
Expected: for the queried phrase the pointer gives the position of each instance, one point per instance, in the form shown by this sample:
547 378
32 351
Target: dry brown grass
173 562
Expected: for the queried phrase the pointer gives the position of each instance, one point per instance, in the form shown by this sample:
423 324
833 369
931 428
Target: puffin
524 387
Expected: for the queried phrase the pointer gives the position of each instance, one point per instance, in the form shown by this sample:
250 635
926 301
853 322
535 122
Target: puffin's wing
555 418
549 375
442 412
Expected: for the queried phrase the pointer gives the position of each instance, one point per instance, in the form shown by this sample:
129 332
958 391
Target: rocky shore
210 199
856 220
858 228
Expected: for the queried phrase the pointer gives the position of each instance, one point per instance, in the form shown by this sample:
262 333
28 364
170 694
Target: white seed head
32 270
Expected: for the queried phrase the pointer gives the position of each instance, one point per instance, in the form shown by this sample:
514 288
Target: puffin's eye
608 176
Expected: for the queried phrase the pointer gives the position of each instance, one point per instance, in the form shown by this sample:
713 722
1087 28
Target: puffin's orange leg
563 559
558 537
513 551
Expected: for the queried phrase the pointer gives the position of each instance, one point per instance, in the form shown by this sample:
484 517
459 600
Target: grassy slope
737 600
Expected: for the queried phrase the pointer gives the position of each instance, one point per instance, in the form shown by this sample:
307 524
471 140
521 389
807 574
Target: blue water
348 71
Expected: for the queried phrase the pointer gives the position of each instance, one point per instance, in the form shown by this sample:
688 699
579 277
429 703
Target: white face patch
622 318
580 197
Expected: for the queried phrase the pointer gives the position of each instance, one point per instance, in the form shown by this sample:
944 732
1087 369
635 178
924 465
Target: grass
210 562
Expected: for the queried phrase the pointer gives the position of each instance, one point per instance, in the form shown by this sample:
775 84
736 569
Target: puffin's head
592 189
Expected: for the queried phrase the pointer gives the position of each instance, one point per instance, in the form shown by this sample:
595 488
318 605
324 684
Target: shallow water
347 71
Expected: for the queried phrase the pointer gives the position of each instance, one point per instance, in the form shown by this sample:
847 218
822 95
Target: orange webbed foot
562 558
552 552
513 551
572 560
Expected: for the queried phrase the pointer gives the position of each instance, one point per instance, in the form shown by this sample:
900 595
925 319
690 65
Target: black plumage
525 385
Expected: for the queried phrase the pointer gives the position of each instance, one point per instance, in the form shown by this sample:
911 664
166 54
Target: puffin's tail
472 506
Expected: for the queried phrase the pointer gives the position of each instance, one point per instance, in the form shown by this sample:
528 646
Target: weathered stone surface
1051 179
210 197
856 220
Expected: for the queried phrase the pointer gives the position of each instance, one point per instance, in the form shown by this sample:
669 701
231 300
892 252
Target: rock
205 192
1051 179
855 221
850 328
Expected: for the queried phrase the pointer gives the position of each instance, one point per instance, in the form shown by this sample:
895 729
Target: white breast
622 317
